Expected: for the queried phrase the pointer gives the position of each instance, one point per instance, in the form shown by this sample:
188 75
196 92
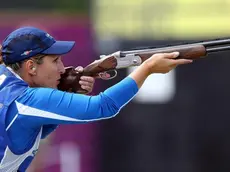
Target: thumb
79 69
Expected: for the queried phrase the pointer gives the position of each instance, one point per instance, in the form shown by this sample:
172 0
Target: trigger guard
102 75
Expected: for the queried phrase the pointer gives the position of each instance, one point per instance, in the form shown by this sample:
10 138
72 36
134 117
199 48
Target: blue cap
26 42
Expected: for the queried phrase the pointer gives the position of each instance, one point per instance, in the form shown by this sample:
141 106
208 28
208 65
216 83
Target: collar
12 71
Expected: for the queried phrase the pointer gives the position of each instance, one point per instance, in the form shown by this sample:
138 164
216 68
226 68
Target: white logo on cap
26 53
48 35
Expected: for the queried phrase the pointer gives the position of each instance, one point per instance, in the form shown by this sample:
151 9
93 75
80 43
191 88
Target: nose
62 71
61 68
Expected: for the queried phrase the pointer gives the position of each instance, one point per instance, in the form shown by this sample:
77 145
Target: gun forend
186 51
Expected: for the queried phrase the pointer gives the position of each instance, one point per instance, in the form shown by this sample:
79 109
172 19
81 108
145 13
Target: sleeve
44 106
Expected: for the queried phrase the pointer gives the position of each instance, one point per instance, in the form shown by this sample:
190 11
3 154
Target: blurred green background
68 6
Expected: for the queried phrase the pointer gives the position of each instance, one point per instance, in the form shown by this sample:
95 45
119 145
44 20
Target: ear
30 67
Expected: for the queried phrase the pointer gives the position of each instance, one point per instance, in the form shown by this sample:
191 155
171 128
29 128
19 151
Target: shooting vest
12 87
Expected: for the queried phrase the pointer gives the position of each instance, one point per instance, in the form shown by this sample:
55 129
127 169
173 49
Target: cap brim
60 47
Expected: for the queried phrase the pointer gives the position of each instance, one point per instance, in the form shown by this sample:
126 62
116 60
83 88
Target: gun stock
101 65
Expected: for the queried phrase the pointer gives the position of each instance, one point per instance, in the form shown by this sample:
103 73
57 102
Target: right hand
86 82
164 62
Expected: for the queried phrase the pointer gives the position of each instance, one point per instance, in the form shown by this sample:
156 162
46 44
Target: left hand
86 82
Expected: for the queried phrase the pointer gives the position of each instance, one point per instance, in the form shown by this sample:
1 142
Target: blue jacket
28 115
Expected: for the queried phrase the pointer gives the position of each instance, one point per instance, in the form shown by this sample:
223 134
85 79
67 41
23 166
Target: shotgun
106 67
125 59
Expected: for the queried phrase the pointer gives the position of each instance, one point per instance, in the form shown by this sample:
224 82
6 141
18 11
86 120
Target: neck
29 81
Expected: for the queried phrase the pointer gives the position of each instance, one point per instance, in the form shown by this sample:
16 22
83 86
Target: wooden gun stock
101 65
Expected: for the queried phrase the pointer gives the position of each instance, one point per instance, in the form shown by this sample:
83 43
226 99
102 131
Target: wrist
147 68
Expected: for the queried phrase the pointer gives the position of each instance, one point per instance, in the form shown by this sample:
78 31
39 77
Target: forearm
122 92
